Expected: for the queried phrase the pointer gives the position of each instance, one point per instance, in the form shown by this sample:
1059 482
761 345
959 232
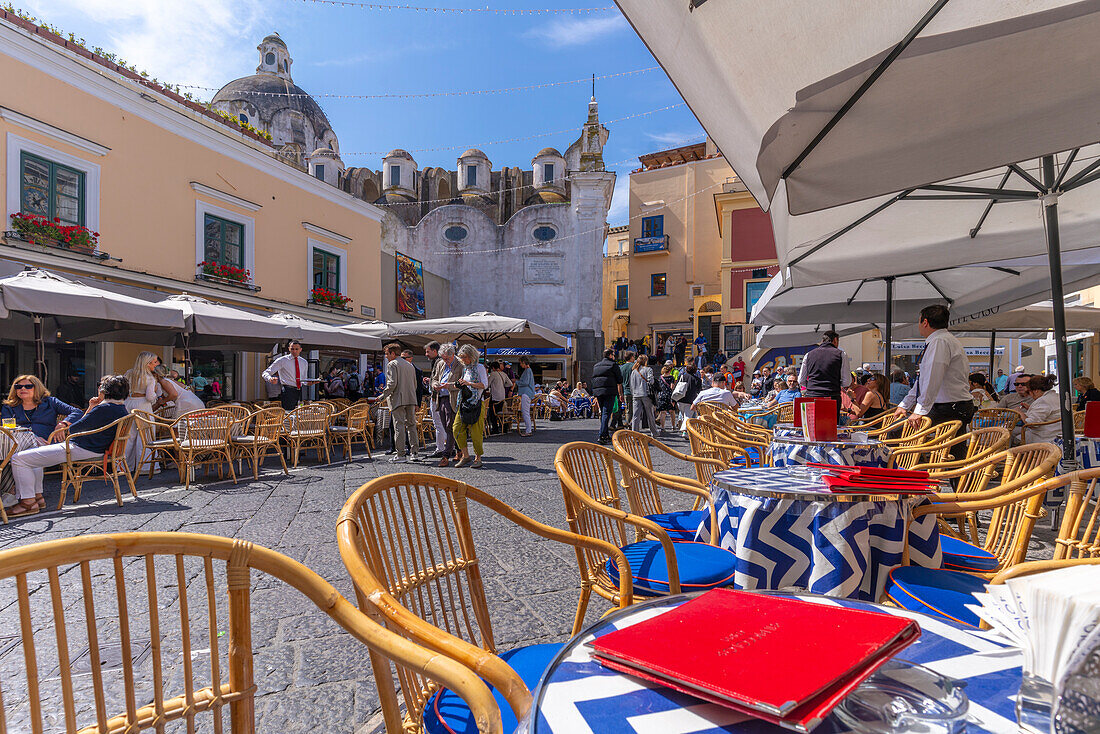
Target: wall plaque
543 269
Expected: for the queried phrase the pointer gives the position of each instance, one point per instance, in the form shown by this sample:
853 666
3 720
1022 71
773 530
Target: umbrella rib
988 208
1082 181
981 190
840 233
938 289
1075 181
856 293
1065 168
867 84
1027 177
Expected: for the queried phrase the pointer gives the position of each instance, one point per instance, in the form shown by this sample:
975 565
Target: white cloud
675 139
201 42
578 31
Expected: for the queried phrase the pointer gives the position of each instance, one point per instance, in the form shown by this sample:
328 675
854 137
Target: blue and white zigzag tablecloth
828 547
841 453
579 696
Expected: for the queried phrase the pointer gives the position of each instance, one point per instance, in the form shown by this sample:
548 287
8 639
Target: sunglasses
25 386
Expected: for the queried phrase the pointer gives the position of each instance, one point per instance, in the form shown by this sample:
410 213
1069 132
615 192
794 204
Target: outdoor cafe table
789 531
24 439
577 695
788 447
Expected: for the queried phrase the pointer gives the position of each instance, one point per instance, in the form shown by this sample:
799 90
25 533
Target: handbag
469 405
681 390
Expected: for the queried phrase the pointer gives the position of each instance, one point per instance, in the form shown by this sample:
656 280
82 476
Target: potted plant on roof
325 297
39 230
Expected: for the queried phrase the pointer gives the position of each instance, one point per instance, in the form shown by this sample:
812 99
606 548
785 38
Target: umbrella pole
1058 304
39 349
992 350
889 343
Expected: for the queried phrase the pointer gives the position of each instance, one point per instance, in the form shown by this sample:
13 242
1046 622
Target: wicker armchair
1079 534
932 443
306 427
708 442
202 439
638 446
590 482
132 585
157 441
350 425
995 417
408 543
786 412
756 443
112 464
13 446
259 436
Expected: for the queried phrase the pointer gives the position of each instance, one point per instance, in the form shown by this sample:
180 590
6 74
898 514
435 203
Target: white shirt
283 368
716 395
1043 409
498 383
845 371
944 373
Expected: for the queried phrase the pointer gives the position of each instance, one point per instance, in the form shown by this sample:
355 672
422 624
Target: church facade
524 242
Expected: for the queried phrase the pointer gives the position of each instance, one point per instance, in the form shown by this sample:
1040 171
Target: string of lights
513 140
485 10
429 95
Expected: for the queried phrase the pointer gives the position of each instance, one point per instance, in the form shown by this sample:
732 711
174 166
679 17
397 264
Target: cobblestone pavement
311 676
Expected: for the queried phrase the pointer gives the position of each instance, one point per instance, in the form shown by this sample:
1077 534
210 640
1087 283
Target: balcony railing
643 245
621 305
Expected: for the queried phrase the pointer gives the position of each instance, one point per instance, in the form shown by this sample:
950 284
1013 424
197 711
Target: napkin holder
819 419
1092 419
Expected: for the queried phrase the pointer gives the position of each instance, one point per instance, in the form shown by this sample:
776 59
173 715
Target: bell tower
274 57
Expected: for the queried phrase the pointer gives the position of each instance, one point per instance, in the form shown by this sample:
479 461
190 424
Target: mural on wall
781 358
410 286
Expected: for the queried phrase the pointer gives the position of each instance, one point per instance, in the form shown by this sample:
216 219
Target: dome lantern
274 57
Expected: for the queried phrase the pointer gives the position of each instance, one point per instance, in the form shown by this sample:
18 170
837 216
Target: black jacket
606 378
695 386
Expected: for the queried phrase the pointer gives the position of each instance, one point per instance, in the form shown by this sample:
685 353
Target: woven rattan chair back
928 447
110 466
998 417
719 431
786 412
640 447
707 441
1010 524
164 601
709 409
5 458
1078 421
266 427
203 439
1079 535
307 427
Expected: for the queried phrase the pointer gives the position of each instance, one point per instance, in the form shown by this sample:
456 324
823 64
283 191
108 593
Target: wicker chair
786 412
995 417
1016 504
590 487
157 441
355 426
202 439
1079 534
708 442
13 446
258 438
873 424
112 464
306 427
932 444
890 426
758 445
638 447
408 544
133 585
1027 426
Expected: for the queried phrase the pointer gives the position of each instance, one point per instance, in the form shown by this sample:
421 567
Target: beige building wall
153 168
683 194
616 272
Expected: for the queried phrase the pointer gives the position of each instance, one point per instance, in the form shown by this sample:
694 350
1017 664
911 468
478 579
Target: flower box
220 273
331 299
39 230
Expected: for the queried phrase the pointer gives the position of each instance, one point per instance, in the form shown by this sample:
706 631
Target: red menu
779 659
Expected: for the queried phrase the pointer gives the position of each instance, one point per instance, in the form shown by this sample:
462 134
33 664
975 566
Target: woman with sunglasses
32 407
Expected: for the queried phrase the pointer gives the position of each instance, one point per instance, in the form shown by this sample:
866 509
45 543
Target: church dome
548 151
274 38
269 94
399 153
474 153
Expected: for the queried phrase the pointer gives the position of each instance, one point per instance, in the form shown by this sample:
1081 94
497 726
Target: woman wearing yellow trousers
476 378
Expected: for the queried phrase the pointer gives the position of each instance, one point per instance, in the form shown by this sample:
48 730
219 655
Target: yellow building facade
168 186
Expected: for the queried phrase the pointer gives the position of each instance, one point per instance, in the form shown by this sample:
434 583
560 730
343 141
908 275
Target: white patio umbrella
821 104
315 333
482 326
77 307
801 335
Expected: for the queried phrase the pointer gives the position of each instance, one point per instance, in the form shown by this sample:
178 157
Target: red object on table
1092 419
752 653
819 419
798 408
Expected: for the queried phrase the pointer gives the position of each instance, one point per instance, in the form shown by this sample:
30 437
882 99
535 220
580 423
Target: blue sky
356 51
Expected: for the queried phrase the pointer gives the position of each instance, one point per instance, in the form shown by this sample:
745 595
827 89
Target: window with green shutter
326 270
51 190
223 241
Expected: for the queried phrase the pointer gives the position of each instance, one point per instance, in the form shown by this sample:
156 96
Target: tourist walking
498 390
942 390
628 402
642 383
826 370
525 388
399 395
290 372
688 387
469 424
431 351
664 406
445 400
607 386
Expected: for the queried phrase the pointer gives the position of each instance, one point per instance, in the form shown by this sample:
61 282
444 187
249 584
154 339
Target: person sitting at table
1086 392
717 393
1044 409
789 392
71 391
31 406
984 394
27 467
873 403
899 387
182 399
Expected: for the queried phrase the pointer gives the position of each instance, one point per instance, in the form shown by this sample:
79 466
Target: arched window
286 66
269 59
244 118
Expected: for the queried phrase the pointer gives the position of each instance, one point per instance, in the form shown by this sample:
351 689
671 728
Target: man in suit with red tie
290 372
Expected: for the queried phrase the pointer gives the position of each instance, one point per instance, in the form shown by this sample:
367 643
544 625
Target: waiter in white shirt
290 372
942 390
